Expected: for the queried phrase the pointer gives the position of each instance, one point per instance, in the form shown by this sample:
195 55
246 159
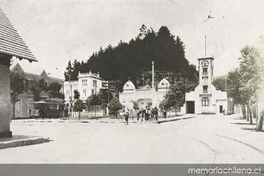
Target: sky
60 30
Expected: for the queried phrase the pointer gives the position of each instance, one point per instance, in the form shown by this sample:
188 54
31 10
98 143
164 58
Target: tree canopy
133 60
114 106
175 97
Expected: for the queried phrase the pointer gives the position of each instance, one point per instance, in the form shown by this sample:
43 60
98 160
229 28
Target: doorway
190 107
221 109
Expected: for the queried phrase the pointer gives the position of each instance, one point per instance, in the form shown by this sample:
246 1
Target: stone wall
5 99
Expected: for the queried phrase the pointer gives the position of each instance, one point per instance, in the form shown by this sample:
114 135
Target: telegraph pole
153 85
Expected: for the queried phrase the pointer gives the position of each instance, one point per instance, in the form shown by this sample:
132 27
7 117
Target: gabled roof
17 68
44 74
129 86
10 41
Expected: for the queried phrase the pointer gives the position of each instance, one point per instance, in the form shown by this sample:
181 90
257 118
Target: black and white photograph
132 82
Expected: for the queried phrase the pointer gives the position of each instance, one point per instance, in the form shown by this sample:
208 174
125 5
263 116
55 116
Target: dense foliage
114 106
78 106
175 97
133 60
241 83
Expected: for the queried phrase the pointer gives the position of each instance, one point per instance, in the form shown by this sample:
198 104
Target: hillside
133 60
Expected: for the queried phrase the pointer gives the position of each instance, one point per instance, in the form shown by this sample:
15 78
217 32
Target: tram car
52 108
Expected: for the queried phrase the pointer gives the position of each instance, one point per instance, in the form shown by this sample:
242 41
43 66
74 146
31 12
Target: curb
23 142
175 119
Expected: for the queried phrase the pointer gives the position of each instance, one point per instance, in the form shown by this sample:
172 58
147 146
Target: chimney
153 85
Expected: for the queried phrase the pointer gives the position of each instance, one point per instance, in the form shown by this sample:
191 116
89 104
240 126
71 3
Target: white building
87 84
205 99
143 96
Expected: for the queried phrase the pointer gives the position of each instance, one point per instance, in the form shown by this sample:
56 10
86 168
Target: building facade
205 99
24 107
87 84
143 96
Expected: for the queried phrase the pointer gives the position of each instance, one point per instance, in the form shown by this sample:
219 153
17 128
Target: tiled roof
10 41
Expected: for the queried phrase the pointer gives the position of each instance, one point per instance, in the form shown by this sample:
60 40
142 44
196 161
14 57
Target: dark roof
10 41
206 58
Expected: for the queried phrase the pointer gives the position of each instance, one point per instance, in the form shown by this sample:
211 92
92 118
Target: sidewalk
105 120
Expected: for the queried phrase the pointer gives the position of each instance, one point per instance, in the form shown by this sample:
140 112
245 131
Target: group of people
145 114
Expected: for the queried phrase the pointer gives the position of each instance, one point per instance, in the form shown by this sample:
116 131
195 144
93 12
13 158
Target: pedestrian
165 114
126 115
152 114
143 115
156 113
138 114
147 113
65 114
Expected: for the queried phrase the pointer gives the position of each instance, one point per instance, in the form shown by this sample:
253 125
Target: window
84 82
84 92
94 83
93 91
205 101
205 71
205 64
205 89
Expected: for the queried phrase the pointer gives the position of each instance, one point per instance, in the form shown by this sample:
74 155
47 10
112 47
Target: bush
114 106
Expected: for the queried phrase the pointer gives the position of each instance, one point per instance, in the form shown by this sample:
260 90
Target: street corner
17 141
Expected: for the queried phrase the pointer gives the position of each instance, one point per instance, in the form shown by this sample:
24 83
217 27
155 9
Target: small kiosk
11 45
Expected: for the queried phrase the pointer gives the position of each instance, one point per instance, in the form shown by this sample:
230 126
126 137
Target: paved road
203 139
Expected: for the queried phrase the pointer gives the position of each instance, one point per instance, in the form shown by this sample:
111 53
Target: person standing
126 115
156 113
138 114
147 113
143 114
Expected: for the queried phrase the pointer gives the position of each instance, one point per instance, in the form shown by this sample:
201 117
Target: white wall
127 98
216 99
78 85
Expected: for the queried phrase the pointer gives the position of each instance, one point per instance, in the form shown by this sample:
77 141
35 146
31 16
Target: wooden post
5 99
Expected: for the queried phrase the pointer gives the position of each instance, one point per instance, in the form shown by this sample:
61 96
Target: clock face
205 63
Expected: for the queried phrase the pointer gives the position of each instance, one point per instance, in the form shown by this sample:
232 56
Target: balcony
204 73
205 94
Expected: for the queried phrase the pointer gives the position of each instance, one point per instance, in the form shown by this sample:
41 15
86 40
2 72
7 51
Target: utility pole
153 85
70 98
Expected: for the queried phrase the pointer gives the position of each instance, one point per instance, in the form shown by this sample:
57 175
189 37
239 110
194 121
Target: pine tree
114 106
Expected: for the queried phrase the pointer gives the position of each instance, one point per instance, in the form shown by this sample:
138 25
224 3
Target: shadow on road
252 129
243 123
